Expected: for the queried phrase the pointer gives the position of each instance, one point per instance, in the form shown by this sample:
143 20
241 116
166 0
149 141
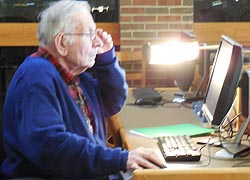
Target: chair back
136 66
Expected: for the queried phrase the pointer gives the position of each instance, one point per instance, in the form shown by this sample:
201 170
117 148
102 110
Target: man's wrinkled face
84 45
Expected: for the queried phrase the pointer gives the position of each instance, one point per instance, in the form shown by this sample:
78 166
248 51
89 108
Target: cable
224 127
209 152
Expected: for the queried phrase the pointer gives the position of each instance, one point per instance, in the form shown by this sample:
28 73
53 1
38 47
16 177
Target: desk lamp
181 54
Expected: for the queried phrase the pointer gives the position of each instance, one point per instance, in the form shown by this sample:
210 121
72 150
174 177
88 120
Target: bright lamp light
173 52
181 53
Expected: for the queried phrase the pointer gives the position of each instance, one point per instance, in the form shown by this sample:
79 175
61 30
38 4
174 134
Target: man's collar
67 76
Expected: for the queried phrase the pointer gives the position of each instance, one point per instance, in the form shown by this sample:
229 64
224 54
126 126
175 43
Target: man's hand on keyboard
141 158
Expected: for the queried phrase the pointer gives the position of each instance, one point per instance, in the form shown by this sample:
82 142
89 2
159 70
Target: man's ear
61 44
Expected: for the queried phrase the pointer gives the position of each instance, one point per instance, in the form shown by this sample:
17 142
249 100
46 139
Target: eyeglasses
91 35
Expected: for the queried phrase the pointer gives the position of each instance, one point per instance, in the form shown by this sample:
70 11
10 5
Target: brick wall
145 21
150 20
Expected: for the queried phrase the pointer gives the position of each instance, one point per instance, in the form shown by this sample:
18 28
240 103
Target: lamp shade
180 53
184 75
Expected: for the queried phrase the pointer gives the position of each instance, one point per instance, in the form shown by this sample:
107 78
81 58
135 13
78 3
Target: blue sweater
45 133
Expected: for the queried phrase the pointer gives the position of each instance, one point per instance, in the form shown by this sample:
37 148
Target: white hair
59 17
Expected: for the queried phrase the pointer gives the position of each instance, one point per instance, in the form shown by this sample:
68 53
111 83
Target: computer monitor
223 81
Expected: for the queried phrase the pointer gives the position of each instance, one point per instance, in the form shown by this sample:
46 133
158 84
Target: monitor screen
223 81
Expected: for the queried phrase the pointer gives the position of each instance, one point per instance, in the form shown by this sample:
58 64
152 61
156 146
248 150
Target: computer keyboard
178 148
147 93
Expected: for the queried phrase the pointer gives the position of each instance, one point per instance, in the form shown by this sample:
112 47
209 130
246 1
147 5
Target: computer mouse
142 101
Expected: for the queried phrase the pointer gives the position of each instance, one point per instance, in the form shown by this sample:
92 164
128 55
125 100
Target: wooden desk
170 114
194 174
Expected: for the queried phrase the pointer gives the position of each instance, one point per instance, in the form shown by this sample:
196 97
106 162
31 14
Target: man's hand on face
105 39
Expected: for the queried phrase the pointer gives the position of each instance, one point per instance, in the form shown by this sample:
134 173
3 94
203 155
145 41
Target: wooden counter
25 34
210 32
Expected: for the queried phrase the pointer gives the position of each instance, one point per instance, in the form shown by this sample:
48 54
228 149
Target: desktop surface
133 116
156 115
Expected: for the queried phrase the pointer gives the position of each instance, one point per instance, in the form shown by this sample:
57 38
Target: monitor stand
234 148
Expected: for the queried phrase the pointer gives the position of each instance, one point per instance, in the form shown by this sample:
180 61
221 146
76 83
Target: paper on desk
178 129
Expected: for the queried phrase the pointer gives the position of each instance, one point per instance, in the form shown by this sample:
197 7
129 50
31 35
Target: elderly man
55 111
